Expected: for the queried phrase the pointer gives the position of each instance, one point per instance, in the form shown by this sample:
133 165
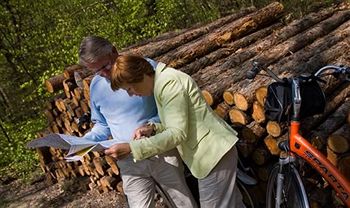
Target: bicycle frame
301 147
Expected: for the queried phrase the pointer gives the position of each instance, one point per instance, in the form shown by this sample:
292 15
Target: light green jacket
187 123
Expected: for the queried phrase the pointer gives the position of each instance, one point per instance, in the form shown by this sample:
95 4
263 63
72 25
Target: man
117 114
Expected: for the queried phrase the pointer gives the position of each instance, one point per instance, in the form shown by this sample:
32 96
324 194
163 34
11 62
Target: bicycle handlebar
337 70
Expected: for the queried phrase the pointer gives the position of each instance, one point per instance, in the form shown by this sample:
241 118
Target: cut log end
260 95
273 128
238 117
338 143
228 97
240 101
258 112
208 97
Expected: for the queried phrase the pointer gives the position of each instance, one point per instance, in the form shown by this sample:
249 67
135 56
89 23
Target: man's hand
118 151
145 130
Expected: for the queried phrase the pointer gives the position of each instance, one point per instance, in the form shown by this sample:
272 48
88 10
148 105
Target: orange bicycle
295 98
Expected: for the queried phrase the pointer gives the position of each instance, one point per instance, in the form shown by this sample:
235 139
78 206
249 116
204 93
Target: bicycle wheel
247 198
293 194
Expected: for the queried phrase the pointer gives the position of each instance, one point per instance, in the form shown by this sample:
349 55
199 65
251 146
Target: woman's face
143 88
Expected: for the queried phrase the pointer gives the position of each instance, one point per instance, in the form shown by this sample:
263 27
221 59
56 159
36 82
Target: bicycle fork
280 178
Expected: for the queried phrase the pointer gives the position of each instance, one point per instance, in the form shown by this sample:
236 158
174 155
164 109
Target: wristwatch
153 126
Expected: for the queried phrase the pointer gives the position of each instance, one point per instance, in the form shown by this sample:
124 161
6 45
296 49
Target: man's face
103 65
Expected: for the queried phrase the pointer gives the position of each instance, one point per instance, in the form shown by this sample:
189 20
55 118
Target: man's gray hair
94 47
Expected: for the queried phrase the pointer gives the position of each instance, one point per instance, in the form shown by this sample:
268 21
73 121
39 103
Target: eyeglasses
107 66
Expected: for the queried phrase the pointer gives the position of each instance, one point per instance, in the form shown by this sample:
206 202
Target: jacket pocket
196 137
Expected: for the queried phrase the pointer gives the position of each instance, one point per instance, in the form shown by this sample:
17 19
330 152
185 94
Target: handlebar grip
251 74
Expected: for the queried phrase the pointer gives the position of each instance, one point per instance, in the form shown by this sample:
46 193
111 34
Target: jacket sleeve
173 103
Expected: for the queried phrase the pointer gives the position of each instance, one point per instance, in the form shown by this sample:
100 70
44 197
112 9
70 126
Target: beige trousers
166 169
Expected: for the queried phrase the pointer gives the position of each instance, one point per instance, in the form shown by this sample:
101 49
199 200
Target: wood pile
217 56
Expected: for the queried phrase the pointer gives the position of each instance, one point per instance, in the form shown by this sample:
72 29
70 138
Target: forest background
40 38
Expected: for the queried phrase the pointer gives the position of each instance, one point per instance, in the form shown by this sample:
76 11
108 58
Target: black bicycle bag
278 102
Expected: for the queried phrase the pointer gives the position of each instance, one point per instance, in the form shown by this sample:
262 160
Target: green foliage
16 159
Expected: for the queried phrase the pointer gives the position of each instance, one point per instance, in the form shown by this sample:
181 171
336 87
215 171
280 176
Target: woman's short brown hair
129 69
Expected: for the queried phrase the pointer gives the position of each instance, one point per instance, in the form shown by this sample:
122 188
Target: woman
204 141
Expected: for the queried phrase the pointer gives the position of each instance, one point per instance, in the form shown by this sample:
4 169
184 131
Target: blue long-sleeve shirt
116 113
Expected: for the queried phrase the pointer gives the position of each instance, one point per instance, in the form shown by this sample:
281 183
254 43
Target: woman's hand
118 151
145 130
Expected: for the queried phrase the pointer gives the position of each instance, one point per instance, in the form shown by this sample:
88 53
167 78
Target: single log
100 165
84 105
69 70
332 156
158 48
224 79
228 49
344 166
274 128
54 83
49 116
68 87
272 144
252 132
222 110
261 155
338 143
260 95
109 182
319 135
245 148
227 33
120 187
258 113
111 162
238 117
241 102
228 97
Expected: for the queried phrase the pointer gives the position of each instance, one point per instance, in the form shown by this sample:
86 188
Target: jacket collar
160 68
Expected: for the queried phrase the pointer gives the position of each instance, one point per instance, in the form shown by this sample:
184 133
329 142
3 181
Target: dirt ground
38 194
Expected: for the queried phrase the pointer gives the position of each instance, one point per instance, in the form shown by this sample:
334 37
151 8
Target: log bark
238 117
54 83
250 23
227 49
161 47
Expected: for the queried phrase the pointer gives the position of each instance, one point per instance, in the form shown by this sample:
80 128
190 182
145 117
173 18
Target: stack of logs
217 56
